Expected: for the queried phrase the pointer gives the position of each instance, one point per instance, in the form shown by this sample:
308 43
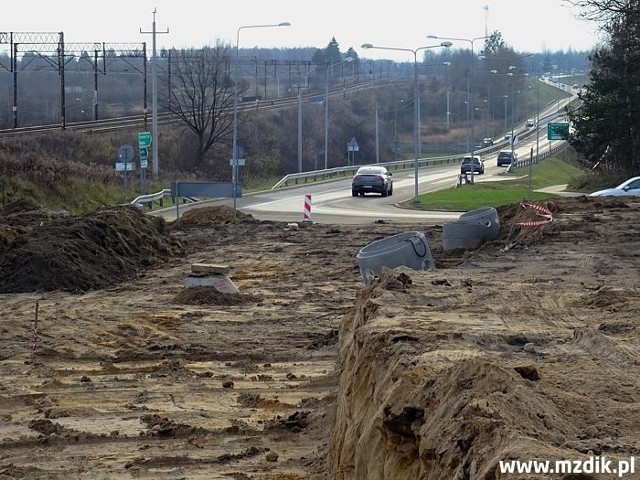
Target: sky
526 25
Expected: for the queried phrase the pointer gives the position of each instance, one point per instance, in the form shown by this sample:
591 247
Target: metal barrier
152 197
533 159
315 176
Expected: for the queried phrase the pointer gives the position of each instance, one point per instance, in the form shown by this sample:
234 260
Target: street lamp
448 64
511 139
416 106
514 104
506 125
395 127
537 127
234 153
490 106
469 75
443 64
326 110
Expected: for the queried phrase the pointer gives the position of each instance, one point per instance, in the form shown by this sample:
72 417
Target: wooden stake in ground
36 335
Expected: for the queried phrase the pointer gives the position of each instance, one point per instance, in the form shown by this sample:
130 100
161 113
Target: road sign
558 131
239 153
144 164
239 162
352 145
143 154
125 153
125 167
144 139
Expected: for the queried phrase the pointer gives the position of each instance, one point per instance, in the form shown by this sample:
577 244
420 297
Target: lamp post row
326 109
416 100
234 152
470 121
445 43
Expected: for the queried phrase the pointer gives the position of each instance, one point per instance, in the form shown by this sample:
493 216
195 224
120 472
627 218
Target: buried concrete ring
408 249
471 230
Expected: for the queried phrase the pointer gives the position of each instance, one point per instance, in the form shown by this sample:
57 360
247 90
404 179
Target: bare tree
605 10
202 96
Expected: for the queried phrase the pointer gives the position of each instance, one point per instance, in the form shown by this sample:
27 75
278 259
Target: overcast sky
526 25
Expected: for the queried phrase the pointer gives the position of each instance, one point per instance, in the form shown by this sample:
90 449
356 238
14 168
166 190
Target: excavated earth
110 368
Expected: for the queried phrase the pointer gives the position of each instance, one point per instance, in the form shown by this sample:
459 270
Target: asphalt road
332 202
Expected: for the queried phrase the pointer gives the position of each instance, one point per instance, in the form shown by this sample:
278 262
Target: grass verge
514 188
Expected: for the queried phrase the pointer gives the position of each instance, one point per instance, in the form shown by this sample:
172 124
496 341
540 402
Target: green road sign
144 139
558 131
143 154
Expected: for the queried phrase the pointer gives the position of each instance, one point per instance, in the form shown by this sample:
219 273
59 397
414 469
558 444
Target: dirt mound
23 213
508 352
211 296
19 206
528 223
83 253
213 216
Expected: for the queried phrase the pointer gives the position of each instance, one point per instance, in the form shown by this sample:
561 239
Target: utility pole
154 98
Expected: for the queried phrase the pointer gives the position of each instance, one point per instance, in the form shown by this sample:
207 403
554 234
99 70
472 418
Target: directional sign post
144 142
558 131
352 148
237 159
125 156
144 139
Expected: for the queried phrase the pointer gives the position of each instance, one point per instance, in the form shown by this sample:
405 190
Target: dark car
478 165
372 179
486 142
506 157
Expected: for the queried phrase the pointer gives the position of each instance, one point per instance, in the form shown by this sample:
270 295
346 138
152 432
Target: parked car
506 157
630 187
371 178
478 165
486 142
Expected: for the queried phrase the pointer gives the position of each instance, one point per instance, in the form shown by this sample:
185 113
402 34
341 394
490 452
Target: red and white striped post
307 208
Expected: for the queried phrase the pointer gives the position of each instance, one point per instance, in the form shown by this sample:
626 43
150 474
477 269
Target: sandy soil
110 368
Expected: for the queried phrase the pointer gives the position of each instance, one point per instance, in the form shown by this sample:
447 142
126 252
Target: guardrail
315 176
533 159
152 197
159 196
333 173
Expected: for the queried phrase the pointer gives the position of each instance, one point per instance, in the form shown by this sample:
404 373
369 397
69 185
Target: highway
332 202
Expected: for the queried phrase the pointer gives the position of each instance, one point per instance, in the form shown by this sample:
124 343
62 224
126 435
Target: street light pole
469 75
234 153
537 128
154 99
514 105
448 64
416 106
513 102
326 110
506 124
395 127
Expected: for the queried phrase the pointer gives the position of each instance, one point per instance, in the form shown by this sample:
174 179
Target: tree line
607 123
198 87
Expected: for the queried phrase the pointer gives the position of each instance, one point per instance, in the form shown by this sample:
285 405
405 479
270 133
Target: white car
629 187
